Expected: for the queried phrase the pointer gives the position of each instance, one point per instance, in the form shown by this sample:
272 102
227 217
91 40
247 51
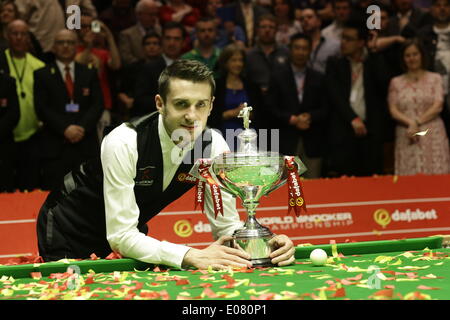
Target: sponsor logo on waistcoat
145 176
186 178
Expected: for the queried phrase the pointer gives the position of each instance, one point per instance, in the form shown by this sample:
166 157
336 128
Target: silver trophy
249 174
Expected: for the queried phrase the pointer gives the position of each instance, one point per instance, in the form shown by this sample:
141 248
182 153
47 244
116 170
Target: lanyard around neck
21 75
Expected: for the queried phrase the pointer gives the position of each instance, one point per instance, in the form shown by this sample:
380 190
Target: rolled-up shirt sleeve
119 157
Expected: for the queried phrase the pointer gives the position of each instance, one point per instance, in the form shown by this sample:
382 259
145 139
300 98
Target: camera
95 26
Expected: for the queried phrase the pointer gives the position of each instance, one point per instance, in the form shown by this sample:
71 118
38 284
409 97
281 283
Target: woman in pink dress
415 102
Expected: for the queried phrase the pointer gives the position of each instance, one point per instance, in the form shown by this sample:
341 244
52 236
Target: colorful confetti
412 275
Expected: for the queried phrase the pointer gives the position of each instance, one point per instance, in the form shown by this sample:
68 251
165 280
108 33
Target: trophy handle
195 173
301 169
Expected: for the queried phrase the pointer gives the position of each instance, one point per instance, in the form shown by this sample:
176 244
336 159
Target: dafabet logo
183 228
384 218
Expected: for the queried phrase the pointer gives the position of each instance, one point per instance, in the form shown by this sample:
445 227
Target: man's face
309 21
86 25
64 47
172 42
281 8
267 30
147 16
186 109
206 33
212 6
152 47
300 52
342 10
7 14
384 17
350 43
441 11
18 37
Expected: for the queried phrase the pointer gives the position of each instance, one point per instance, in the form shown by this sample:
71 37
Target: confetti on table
36 275
416 295
334 251
422 287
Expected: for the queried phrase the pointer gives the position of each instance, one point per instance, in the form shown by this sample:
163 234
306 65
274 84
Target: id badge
72 107
353 96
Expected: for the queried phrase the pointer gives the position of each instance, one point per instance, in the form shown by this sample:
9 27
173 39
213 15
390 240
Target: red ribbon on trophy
213 186
200 195
296 199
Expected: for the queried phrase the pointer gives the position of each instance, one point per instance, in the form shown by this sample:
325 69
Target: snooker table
407 269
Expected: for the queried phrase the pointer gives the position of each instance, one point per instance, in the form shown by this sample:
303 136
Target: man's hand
284 250
304 121
301 122
218 256
359 127
74 133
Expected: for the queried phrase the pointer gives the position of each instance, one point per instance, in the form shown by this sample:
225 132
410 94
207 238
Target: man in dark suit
246 15
9 117
295 104
406 20
357 84
146 87
127 78
69 102
436 39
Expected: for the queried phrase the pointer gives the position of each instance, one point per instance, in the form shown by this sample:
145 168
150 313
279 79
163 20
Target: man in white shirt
106 204
342 10
322 47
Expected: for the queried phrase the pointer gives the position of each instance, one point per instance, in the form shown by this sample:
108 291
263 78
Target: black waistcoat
79 210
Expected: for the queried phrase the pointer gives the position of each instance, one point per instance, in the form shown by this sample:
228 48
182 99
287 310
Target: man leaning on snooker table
104 205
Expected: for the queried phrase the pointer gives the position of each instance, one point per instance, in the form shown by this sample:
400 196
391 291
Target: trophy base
262 263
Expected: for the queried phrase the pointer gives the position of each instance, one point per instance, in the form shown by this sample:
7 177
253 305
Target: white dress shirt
62 69
299 76
119 158
168 60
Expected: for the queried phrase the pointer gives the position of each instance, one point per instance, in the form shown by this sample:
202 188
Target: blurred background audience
311 69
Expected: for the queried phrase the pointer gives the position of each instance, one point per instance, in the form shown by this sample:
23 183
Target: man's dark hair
383 7
174 25
419 45
267 16
336 1
151 34
316 12
290 4
190 70
206 19
300 35
358 25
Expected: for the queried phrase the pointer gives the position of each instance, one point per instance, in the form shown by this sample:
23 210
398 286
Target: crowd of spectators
348 99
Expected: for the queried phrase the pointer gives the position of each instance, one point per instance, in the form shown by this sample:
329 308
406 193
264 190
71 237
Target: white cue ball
318 257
